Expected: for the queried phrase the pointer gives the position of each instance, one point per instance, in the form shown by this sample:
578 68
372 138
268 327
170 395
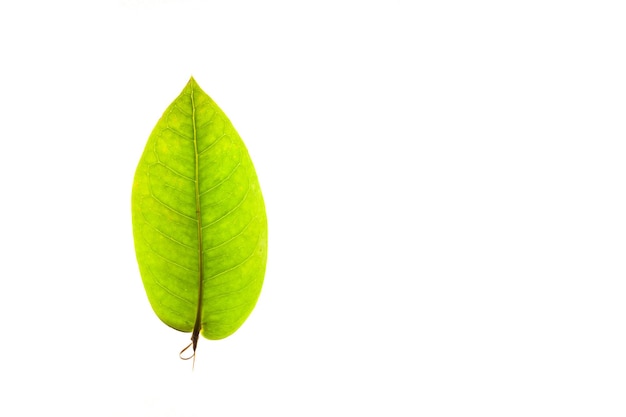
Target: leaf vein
177 133
171 208
229 212
173 294
243 287
167 259
241 232
153 227
232 268
222 181
183 111
212 144
172 170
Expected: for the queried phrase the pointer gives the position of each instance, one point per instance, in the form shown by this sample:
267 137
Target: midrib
198 324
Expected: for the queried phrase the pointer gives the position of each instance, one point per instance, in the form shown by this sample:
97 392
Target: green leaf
199 220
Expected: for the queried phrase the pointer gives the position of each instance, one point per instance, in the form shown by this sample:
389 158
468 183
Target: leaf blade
199 219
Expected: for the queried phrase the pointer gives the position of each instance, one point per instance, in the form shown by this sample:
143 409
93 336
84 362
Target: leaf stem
193 355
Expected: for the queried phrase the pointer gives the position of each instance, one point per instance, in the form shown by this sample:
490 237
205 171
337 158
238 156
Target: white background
445 184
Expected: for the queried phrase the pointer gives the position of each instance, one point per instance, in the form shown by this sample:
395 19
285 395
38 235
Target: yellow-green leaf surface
199 220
